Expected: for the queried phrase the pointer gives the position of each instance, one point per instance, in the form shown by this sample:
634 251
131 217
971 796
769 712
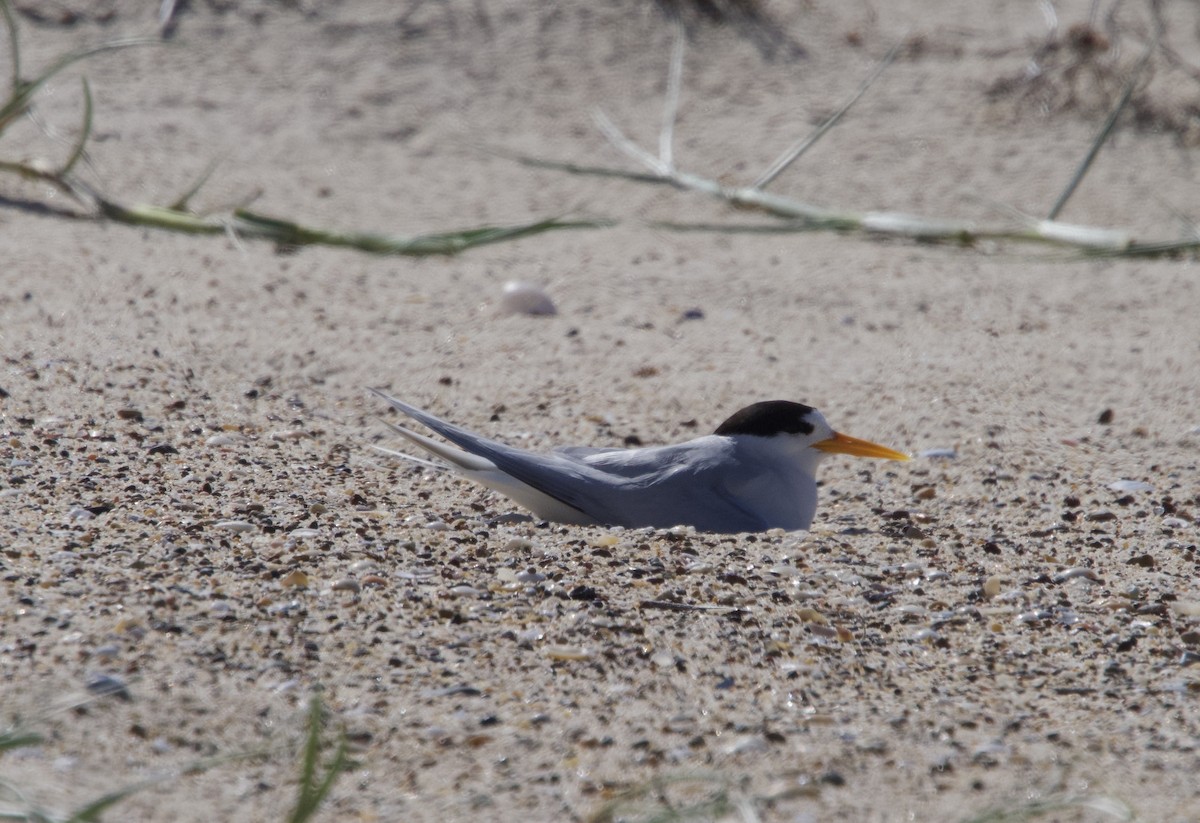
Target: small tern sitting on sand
757 471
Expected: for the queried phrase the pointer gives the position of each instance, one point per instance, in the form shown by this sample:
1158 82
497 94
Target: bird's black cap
769 418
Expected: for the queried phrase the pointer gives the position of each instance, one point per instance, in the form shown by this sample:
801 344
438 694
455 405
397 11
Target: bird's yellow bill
845 444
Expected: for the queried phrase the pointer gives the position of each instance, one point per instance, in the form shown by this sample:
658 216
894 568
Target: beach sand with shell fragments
196 535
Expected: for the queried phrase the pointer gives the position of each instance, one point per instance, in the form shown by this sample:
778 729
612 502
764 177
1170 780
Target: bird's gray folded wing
556 476
583 452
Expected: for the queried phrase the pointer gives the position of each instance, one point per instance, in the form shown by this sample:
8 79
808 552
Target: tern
756 472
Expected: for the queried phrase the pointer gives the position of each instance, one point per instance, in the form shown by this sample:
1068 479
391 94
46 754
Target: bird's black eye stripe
769 418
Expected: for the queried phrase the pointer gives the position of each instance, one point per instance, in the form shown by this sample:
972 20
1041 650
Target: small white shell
520 297
220 440
1130 486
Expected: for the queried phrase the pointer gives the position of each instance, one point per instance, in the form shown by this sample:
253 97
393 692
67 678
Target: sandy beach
197 536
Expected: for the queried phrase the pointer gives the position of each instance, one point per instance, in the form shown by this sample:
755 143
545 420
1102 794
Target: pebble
780 570
1186 608
1100 516
559 652
751 743
520 297
530 636
346 584
294 580
1077 571
107 651
663 659
1034 616
1066 617
1189 658
221 609
234 525
808 615
992 586
300 534
939 454
1175 523
107 684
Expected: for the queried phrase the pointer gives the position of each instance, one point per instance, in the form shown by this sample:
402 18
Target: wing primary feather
488 455
420 461
459 457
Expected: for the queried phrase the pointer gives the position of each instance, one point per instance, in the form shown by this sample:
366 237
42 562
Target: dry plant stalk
241 222
802 216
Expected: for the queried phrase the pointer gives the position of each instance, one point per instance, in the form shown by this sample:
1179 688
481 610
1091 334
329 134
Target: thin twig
579 168
631 149
166 11
667 605
666 137
800 146
1102 135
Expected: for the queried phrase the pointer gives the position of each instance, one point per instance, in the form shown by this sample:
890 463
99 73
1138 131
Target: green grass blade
313 791
92 811
1108 806
14 39
16 739
314 795
84 135
312 751
181 204
290 233
23 92
160 218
